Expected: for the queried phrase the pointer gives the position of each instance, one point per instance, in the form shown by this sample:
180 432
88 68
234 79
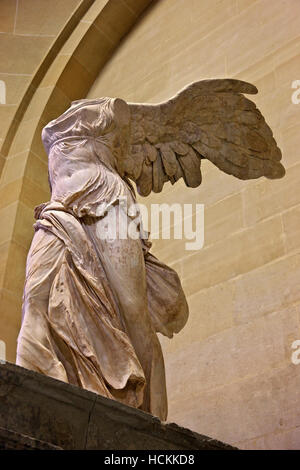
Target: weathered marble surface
63 415
93 304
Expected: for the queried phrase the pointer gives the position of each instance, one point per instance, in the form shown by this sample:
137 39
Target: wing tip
220 85
240 86
275 171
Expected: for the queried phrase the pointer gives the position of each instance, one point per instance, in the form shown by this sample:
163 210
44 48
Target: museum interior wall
28 28
85 39
229 372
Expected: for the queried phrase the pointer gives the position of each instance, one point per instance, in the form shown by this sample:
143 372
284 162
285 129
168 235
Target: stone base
38 412
10 440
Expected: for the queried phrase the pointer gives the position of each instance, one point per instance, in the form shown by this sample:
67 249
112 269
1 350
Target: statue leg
36 350
123 262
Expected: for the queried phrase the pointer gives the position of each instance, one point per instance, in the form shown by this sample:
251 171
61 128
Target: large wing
208 119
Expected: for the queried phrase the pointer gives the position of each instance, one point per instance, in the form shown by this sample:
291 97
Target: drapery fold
85 338
93 304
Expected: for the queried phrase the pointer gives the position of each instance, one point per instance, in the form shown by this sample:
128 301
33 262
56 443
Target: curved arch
39 74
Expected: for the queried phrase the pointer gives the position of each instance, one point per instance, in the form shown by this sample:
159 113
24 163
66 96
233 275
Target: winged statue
93 304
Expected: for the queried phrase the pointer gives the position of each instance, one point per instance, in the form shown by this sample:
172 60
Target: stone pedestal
38 412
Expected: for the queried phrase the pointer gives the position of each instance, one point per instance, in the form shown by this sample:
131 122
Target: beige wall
27 29
229 372
87 38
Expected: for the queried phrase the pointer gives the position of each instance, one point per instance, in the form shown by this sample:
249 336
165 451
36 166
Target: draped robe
92 304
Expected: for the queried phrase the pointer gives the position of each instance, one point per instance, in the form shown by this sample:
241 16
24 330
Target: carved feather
208 119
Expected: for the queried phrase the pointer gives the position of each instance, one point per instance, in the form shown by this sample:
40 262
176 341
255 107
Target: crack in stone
88 423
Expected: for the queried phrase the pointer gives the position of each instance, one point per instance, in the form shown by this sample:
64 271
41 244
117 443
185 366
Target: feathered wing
209 119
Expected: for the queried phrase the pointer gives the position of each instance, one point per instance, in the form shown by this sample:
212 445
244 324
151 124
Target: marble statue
93 304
